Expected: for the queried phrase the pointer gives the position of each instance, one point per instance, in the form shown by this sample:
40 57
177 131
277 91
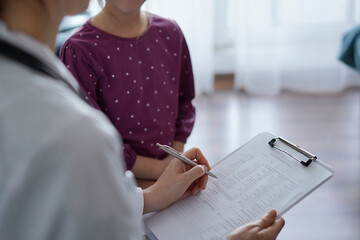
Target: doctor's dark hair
2 6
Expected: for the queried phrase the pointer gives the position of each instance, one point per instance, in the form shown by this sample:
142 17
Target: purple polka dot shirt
144 85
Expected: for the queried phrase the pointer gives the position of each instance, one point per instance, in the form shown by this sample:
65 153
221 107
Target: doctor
61 169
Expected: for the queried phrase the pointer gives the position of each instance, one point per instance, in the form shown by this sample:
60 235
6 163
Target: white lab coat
61 174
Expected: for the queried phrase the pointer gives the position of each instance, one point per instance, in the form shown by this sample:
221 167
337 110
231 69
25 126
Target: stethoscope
13 52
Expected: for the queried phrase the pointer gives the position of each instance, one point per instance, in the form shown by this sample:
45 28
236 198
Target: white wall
196 19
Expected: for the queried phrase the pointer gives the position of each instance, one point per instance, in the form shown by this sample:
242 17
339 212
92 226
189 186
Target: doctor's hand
267 228
178 180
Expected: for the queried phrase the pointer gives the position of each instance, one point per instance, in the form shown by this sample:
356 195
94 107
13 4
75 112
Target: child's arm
149 168
142 171
178 146
186 110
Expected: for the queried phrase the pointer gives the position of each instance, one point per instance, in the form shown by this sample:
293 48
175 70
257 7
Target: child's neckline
149 17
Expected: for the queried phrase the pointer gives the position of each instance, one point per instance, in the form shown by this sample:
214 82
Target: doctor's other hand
266 228
178 180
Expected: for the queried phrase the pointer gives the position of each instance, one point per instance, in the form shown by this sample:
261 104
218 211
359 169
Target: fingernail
272 213
205 168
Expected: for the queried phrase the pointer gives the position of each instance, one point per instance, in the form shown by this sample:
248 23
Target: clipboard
266 172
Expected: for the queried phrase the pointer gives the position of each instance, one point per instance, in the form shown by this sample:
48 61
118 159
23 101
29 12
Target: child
135 67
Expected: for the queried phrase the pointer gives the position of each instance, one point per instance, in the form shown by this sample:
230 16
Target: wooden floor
326 125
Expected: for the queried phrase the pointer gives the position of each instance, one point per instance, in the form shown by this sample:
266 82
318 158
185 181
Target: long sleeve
61 164
78 64
74 189
186 112
130 156
144 86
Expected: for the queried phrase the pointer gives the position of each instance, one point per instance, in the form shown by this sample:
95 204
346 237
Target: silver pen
178 155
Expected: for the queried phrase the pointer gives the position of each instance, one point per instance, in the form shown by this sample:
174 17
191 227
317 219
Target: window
329 17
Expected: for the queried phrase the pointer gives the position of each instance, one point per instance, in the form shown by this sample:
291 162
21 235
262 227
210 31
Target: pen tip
211 174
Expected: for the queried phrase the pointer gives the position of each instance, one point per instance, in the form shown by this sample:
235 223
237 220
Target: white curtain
270 45
292 44
196 19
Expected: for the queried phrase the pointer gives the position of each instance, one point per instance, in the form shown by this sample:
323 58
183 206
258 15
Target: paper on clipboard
252 180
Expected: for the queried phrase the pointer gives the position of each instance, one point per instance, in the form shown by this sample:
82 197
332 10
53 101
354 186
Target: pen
178 155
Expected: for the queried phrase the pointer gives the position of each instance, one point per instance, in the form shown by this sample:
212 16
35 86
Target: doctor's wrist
150 201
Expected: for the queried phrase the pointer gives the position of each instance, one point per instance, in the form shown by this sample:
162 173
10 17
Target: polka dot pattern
144 85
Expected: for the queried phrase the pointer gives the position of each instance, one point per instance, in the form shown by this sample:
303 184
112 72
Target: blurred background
289 67
261 46
267 45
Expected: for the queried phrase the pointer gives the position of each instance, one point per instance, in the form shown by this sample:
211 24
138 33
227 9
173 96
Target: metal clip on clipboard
295 147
